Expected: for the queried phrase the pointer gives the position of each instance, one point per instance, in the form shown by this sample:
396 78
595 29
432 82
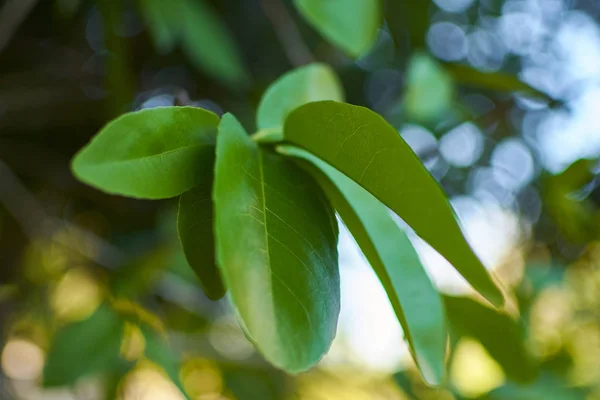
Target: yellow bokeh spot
148 382
201 379
473 371
22 360
76 296
133 343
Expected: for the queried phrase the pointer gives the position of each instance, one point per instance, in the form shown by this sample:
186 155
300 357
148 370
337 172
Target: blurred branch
30 214
287 32
12 16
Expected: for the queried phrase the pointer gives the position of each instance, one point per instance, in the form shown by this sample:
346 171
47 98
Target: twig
287 32
30 214
12 16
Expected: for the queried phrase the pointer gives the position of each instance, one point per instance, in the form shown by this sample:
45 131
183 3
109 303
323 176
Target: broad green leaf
209 44
430 90
363 146
276 249
416 302
84 347
352 25
156 153
195 227
313 82
497 332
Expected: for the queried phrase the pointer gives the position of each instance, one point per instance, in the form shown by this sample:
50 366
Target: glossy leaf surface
363 146
155 153
276 250
303 85
84 347
416 302
195 228
352 25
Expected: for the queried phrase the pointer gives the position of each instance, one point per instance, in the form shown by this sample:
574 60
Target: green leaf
162 19
430 90
160 352
209 44
497 332
204 38
416 302
302 85
497 81
276 250
195 227
85 347
156 153
362 145
352 25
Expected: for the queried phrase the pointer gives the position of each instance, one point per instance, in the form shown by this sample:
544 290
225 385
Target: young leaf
363 146
497 332
276 249
156 153
416 302
303 85
352 25
195 227
85 347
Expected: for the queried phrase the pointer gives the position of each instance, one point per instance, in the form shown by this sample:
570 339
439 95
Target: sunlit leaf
352 25
416 302
499 334
276 249
85 347
429 91
362 145
195 227
313 82
155 153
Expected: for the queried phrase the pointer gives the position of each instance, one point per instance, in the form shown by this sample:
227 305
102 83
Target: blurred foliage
96 296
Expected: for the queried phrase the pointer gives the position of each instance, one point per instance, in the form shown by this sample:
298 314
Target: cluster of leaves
257 213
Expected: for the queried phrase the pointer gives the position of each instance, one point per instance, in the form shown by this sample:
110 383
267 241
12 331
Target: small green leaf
85 347
195 227
416 302
363 146
352 25
497 332
302 85
430 90
156 153
162 19
276 250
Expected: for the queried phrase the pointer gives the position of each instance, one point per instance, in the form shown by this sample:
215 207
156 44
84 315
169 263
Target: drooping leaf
85 347
162 19
498 81
209 44
430 90
352 25
363 146
203 36
276 249
195 227
416 302
497 332
313 82
155 153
